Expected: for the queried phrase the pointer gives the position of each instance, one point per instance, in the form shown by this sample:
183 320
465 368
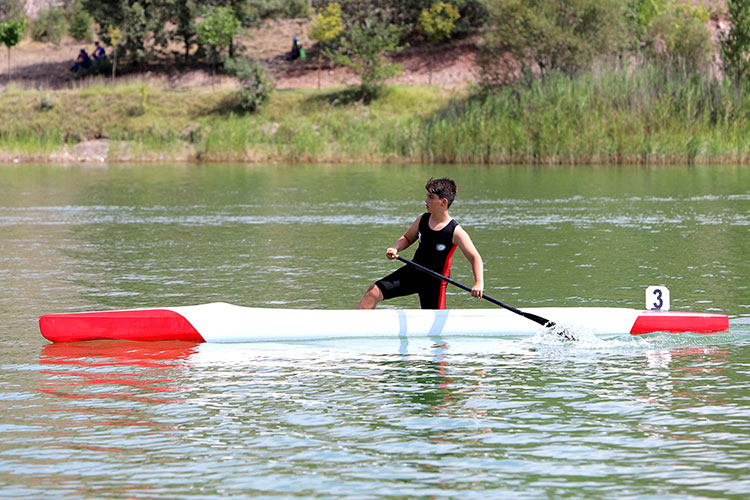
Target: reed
641 115
647 115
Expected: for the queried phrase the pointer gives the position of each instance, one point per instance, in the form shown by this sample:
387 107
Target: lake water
652 417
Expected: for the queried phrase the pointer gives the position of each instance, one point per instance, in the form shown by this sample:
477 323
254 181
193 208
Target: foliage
80 23
327 24
404 14
250 12
438 22
296 8
218 28
679 32
114 34
12 31
144 24
185 28
46 103
639 14
11 34
735 43
566 35
11 9
255 84
363 47
634 115
49 27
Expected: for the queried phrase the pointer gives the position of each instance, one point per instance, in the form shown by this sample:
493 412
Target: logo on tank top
440 247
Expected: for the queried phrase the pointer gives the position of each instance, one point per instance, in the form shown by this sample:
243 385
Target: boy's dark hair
444 188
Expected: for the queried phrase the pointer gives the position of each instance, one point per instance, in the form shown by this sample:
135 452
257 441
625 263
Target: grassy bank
643 116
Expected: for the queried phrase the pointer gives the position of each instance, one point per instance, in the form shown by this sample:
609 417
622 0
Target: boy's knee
374 291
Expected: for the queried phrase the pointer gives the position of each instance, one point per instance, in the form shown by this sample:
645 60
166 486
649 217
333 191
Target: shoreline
70 156
640 117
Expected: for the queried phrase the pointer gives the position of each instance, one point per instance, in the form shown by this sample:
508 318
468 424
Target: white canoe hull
221 322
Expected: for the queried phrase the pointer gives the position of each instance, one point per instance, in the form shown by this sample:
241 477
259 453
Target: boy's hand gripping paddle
533 317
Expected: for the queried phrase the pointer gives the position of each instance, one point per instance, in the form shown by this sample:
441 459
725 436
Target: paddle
533 317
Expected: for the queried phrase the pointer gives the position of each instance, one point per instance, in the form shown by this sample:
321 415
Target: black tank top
435 247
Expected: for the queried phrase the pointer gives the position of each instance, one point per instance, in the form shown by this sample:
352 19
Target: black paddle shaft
533 317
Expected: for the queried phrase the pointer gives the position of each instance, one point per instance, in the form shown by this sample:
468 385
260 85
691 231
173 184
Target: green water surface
661 416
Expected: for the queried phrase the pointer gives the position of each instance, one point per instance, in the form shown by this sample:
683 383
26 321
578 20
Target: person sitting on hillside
99 51
296 51
83 61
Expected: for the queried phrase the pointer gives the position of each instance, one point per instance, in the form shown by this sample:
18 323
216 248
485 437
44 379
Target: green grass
645 115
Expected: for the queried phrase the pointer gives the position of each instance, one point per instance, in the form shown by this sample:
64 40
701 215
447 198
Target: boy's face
433 202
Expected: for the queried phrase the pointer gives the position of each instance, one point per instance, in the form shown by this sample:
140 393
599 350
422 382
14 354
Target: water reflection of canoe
221 322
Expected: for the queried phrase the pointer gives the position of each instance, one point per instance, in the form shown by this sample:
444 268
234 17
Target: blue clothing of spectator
296 51
82 61
99 51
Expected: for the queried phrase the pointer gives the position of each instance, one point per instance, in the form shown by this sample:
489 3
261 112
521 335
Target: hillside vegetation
584 81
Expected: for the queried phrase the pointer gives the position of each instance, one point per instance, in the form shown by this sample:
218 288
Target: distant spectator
99 51
83 61
297 50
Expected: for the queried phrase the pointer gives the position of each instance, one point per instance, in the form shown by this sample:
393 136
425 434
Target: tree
217 30
115 37
326 26
564 35
80 22
639 14
684 38
144 23
11 9
405 13
11 34
185 29
437 24
735 43
363 48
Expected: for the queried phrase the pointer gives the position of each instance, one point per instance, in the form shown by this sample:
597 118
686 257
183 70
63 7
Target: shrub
296 8
80 23
46 102
255 84
49 27
686 40
363 47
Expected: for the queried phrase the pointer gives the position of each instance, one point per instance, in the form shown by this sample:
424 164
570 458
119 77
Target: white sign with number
657 298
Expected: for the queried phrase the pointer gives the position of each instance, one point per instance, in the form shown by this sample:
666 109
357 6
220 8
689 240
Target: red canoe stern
139 324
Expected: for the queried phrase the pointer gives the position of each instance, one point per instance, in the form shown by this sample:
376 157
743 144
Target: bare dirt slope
46 65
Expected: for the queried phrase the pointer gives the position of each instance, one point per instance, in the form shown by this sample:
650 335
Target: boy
438 236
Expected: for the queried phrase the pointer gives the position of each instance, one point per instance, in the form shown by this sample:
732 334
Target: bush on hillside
81 23
49 27
255 84
680 33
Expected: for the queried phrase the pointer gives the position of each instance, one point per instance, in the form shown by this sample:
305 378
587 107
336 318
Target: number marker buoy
657 298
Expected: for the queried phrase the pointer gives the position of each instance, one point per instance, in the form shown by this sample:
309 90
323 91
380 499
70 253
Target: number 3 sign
657 298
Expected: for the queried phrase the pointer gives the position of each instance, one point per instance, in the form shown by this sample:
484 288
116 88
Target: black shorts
407 281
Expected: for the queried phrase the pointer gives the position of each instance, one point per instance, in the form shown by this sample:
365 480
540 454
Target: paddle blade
559 330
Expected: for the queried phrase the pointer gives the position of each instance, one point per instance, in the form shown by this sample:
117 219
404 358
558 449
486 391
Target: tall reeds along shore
641 115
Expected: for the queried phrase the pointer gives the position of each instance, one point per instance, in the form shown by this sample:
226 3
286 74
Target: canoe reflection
129 370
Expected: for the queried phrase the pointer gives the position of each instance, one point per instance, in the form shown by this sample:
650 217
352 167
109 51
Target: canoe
222 322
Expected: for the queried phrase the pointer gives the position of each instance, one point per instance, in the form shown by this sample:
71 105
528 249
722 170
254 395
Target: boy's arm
462 239
404 242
